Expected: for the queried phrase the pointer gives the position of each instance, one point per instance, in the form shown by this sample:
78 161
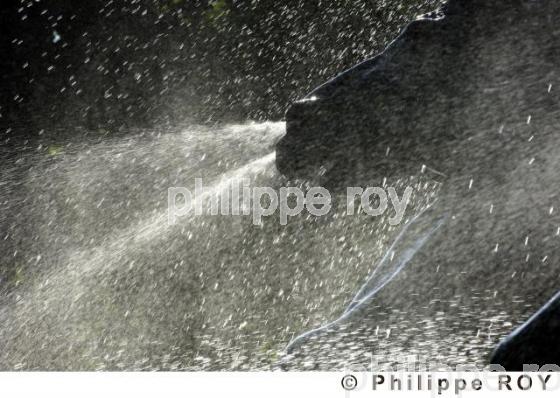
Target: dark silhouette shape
410 100
536 342
461 91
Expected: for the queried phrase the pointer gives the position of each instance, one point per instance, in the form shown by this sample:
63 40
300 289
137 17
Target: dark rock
471 91
534 343
462 69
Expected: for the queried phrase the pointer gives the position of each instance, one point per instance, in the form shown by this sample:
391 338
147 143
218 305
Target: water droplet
56 37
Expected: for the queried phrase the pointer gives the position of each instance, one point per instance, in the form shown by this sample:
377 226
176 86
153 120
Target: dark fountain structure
472 93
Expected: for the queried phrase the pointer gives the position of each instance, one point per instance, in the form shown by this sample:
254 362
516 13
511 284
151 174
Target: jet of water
387 269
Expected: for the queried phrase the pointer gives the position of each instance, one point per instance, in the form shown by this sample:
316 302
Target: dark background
107 66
